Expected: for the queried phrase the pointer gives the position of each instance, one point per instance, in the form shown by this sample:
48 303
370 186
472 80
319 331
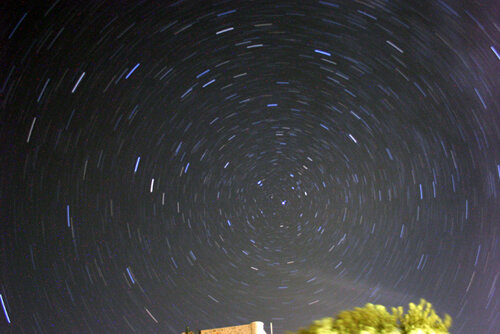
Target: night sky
209 164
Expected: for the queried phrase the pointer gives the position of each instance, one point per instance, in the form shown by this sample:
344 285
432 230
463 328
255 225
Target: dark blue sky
216 163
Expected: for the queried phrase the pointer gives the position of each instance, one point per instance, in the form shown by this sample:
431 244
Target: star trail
210 164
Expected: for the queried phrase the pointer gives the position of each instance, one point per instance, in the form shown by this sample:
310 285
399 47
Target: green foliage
422 319
375 319
369 319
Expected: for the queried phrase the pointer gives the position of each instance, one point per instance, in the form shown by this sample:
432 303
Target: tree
375 319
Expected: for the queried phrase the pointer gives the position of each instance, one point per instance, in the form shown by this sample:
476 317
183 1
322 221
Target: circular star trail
210 164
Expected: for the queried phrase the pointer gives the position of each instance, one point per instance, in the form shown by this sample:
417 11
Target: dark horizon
210 164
